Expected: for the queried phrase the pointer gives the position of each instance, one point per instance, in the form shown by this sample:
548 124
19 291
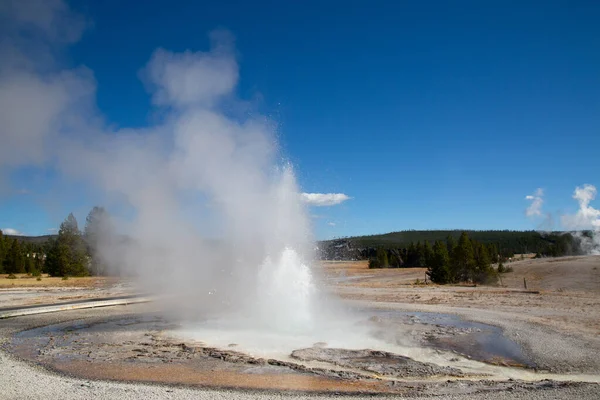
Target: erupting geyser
217 223
286 292
208 213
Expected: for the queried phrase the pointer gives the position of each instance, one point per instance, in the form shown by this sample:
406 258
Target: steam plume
210 179
586 218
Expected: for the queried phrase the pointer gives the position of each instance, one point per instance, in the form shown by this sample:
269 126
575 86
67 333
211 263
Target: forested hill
501 238
32 239
516 241
507 242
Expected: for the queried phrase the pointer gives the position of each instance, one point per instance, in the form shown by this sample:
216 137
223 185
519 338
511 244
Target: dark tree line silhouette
447 261
70 253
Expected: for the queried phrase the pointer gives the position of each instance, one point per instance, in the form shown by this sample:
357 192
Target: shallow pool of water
474 340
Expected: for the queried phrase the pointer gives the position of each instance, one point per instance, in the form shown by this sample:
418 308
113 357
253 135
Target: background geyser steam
215 219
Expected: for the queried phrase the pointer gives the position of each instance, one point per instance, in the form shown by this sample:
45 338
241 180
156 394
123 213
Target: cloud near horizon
324 199
537 200
11 232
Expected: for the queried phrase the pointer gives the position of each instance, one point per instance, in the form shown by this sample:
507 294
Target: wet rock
378 362
141 350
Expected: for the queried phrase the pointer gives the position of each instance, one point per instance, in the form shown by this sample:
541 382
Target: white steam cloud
586 218
202 173
37 98
193 79
324 199
537 200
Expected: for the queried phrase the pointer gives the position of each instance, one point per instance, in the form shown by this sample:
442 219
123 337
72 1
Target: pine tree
484 273
493 252
463 259
27 255
67 255
420 255
382 257
97 231
450 245
428 253
39 262
394 258
439 265
482 259
14 260
2 252
411 255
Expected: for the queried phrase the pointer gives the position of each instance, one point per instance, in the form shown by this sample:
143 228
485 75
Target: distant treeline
406 244
70 253
18 256
74 253
448 261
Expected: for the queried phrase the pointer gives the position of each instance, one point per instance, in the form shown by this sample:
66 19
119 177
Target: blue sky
429 115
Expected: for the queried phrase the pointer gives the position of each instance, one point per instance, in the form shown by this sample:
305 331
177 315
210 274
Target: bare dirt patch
567 274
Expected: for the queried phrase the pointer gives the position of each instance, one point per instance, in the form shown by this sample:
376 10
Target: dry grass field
565 274
27 281
357 273
562 293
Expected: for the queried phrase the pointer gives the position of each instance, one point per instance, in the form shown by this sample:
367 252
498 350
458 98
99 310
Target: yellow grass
24 280
378 277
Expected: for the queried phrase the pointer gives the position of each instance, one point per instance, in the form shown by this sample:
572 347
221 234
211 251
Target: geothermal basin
142 345
385 339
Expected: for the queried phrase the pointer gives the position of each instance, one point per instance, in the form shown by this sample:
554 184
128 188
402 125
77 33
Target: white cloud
52 230
12 232
324 199
331 223
535 208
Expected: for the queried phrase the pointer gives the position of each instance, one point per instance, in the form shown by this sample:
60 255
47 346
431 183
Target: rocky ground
19 380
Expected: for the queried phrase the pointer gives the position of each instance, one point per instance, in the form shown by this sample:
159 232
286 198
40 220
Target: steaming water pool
423 336
474 340
404 346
